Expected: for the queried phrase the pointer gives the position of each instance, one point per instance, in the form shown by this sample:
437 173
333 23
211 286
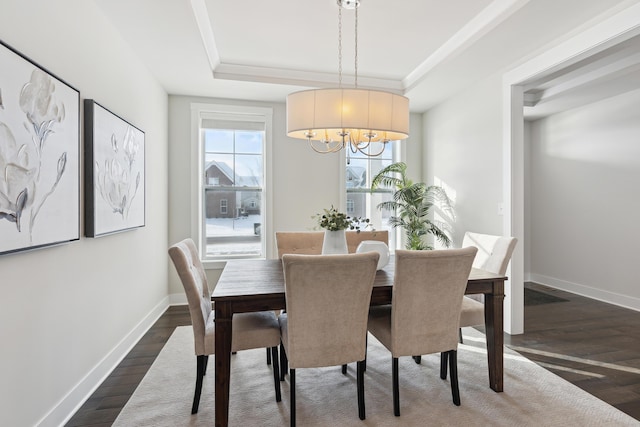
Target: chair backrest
299 242
427 298
328 300
494 252
354 238
186 259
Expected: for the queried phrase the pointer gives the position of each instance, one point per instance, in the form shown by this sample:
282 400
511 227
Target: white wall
67 313
584 204
463 153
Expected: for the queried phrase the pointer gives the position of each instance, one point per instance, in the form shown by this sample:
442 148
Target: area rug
532 395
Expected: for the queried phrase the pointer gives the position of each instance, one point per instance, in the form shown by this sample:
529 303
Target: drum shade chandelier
336 118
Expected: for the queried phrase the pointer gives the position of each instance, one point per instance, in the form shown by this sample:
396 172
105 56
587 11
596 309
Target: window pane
248 169
249 142
237 229
359 172
356 174
218 140
233 217
218 168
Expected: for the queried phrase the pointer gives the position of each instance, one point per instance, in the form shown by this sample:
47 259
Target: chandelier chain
340 47
356 50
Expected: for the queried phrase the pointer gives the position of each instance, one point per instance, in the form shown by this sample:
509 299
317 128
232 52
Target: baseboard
69 404
621 300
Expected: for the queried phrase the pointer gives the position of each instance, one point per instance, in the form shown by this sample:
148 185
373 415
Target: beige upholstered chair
250 330
317 285
299 242
494 254
425 311
354 238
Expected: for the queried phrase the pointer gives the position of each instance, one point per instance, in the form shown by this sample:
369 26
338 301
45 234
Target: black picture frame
115 185
39 156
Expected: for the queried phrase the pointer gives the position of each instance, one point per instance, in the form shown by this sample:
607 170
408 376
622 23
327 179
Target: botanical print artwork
39 149
115 183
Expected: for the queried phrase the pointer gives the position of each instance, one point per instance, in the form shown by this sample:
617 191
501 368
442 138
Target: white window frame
200 111
224 206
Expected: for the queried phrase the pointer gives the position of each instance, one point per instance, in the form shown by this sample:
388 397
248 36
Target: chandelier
337 118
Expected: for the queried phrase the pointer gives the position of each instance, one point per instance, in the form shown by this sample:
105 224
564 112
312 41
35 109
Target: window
231 200
360 169
350 206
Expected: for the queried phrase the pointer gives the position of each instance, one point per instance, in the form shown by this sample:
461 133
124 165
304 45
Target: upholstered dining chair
494 254
314 286
250 330
299 242
424 314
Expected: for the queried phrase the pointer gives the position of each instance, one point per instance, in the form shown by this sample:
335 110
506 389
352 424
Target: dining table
258 285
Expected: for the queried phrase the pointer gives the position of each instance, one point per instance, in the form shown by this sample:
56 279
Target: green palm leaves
412 203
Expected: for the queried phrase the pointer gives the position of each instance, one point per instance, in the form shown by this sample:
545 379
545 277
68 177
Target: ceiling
425 49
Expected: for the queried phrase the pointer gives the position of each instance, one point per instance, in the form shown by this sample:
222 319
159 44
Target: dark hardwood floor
594 345
104 405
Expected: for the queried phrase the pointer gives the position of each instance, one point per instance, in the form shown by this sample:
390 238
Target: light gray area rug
532 397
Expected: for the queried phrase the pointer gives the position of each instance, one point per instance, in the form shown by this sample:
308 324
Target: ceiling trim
489 18
627 65
201 15
300 78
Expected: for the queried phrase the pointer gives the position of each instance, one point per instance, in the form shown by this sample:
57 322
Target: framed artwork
39 156
114 172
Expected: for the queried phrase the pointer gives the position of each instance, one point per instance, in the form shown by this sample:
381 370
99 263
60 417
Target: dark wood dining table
258 285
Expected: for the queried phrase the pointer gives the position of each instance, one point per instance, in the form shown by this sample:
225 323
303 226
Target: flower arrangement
333 220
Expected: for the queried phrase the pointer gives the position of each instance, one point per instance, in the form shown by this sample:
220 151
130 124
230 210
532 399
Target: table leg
223 325
494 327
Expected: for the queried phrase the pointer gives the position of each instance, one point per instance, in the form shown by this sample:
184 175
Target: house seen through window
233 152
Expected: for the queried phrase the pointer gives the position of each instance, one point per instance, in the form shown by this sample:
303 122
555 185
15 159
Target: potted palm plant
412 202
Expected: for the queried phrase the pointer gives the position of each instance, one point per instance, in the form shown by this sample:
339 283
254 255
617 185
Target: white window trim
198 110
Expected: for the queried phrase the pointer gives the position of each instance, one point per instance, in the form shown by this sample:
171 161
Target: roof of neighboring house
240 181
355 176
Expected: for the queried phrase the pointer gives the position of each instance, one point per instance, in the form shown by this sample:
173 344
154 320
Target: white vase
335 242
375 246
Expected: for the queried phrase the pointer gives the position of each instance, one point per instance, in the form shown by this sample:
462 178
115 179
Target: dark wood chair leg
396 387
453 372
360 382
344 369
200 364
284 364
206 363
443 365
364 362
417 359
276 372
292 393
268 356
460 335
